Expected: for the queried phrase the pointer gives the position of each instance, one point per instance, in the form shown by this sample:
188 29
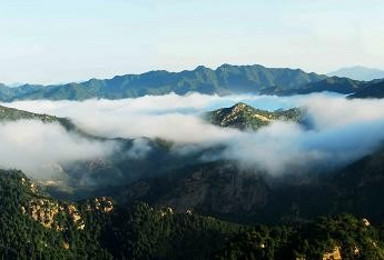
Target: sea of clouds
341 131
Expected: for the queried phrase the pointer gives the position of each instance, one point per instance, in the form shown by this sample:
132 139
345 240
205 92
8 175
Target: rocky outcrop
48 211
245 117
334 255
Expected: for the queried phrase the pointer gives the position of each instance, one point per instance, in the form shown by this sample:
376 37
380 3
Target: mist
341 130
40 149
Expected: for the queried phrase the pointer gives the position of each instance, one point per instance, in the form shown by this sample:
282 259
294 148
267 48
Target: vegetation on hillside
374 90
224 80
245 117
100 228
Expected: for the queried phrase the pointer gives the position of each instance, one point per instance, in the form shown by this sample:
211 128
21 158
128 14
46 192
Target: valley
218 199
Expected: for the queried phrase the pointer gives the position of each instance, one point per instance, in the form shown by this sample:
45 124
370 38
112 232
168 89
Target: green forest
100 229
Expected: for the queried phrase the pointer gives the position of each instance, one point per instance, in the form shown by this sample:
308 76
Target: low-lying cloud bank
342 130
40 149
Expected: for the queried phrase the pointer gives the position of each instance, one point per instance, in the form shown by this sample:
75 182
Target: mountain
218 189
358 73
332 84
327 238
361 185
169 206
227 190
15 84
81 178
374 90
226 79
7 93
243 116
223 189
11 114
36 226
223 80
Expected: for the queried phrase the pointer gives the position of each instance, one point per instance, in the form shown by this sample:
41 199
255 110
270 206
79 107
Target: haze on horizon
60 41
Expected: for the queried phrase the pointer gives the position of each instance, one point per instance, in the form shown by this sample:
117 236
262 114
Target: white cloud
39 149
140 148
342 131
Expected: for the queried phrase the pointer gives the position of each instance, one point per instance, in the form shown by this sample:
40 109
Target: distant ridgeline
226 79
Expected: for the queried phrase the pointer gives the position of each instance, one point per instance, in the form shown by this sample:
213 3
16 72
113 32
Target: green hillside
167 206
226 79
374 90
225 190
7 93
10 114
223 80
35 226
332 84
243 116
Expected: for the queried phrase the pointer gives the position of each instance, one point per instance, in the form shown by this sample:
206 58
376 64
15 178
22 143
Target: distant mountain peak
358 73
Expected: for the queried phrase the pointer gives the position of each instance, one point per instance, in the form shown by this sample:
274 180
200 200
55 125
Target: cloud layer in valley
342 130
40 149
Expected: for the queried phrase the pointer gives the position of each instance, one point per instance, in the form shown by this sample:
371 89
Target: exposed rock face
66 245
102 204
334 255
75 216
48 211
45 211
366 222
166 211
214 187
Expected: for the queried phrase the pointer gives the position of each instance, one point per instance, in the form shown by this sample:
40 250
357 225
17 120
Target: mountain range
226 79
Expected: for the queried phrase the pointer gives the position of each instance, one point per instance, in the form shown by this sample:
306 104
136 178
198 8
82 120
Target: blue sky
49 41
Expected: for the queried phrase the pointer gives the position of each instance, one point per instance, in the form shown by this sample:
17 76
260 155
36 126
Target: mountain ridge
246 117
374 90
226 79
